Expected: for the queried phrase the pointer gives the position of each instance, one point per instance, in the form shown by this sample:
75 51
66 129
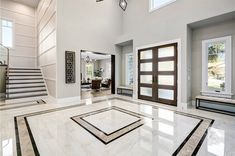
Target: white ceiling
32 3
95 56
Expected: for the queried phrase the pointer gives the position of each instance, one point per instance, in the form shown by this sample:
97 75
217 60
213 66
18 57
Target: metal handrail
8 59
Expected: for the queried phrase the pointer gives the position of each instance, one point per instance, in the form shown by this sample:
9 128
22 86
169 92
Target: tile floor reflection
170 132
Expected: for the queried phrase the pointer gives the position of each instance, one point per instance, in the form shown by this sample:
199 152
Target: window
156 4
216 67
7 33
129 69
89 71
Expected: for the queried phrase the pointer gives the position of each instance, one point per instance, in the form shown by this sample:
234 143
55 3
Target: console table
215 104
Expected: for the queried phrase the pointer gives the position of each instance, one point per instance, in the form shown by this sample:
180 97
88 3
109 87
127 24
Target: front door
157 74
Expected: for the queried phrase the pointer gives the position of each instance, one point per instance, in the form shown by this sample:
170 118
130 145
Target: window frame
151 8
13 31
227 93
127 70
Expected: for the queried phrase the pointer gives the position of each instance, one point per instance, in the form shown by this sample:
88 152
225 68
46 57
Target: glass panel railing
4 65
4 55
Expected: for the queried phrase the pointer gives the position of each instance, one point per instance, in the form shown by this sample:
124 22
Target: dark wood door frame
155 73
113 71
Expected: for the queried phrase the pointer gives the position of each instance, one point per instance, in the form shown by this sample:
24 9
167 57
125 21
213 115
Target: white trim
151 9
228 68
68 100
179 92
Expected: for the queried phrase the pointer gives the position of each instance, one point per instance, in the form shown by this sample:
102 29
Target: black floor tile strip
18 148
32 138
186 139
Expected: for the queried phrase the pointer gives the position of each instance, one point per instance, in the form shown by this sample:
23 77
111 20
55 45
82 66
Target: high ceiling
32 3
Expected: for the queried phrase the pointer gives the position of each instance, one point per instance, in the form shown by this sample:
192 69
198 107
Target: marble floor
114 125
89 93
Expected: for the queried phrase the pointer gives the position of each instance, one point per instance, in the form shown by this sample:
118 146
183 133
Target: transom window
7 33
216 67
156 4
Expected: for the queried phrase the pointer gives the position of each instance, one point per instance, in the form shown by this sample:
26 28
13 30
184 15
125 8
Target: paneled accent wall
46 26
24 51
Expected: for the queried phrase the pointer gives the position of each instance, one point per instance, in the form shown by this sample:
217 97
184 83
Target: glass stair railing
4 66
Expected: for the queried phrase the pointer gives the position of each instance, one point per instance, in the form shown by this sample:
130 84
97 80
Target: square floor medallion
110 123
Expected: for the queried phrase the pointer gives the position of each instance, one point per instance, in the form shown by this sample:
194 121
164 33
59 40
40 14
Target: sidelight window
216 67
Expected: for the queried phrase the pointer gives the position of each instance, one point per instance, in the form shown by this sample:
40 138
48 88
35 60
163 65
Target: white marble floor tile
56 134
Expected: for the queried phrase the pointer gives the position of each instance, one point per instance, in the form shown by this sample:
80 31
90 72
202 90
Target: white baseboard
68 100
193 102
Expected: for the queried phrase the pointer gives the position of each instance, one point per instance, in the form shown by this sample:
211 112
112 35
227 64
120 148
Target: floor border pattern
26 145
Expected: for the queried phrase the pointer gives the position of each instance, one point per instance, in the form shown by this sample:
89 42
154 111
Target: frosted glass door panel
146 67
166 94
166 80
148 79
166 66
146 54
166 52
146 91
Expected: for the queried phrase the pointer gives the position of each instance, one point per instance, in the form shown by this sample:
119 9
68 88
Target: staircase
25 84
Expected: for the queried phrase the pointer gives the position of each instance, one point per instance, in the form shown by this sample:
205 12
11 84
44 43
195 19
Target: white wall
170 23
205 33
88 25
24 52
46 24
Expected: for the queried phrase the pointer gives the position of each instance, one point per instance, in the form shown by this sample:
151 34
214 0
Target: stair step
24 84
22 81
15 75
20 97
26 77
24 89
24 69
25 99
25 94
20 87
16 79
28 91
14 83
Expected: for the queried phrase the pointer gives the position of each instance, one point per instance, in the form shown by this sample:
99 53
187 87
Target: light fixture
123 4
88 60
